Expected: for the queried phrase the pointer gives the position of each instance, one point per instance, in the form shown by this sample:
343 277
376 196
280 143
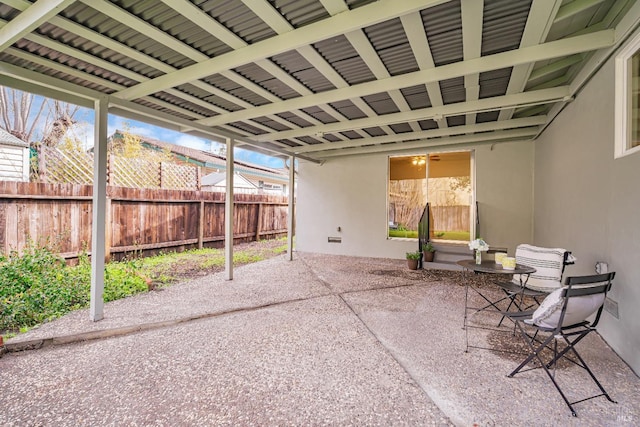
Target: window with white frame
627 81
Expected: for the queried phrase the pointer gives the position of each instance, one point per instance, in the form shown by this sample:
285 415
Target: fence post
198 178
201 225
160 174
108 231
259 222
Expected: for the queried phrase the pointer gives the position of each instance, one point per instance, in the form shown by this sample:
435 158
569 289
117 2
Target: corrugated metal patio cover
317 78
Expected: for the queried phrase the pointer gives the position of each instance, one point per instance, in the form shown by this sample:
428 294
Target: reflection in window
407 194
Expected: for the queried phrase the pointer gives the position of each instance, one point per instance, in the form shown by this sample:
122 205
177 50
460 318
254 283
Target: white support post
101 108
291 217
228 214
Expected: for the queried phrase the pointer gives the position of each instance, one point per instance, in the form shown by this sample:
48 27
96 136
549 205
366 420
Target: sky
178 138
83 131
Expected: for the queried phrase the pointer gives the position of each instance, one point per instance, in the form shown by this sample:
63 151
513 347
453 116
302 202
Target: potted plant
428 251
412 260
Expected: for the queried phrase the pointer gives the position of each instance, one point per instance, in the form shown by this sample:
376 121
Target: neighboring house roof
218 179
7 139
212 160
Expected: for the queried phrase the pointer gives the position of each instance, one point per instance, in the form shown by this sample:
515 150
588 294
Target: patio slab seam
39 343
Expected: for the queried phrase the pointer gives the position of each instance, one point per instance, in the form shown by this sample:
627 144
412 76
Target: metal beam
414 29
526 55
30 19
440 142
138 112
472 19
366 51
575 7
555 67
485 104
426 134
78 95
537 28
269 15
196 16
47 92
629 23
334 6
98 225
364 16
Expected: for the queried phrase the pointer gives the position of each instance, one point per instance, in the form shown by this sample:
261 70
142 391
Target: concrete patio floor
321 340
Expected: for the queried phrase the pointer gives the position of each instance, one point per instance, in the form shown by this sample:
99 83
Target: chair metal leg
534 353
583 364
553 363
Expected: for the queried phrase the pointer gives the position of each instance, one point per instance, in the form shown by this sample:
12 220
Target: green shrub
38 286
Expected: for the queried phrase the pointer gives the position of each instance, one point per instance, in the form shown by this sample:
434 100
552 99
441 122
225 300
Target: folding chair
563 314
549 263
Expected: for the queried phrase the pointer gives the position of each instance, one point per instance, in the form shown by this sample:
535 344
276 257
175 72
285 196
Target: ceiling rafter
280 25
486 63
417 37
324 68
541 16
334 6
140 25
30 19
363 46
433 133
178 46
472 13
204 21
555 67
119 47
489 137
97 80
217 30
485 104
370 14
134 110
75 53
575 7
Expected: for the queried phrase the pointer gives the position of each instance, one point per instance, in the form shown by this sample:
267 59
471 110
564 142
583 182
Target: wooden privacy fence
450 218
137 219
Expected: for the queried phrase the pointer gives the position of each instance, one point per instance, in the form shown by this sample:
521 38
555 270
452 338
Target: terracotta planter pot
428 256
413 264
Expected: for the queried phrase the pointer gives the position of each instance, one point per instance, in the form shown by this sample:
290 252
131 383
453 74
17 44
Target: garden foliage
37 286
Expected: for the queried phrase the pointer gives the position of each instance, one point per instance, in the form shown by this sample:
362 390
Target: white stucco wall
590 203
504 192
351 193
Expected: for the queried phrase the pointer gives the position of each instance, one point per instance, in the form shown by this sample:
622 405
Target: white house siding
14 163
351 193
590 203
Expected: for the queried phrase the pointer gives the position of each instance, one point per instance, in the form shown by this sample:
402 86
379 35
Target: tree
15 110
20 116
61 121
130 146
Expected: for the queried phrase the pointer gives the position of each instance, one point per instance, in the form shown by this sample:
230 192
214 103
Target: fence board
140 219
450 218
